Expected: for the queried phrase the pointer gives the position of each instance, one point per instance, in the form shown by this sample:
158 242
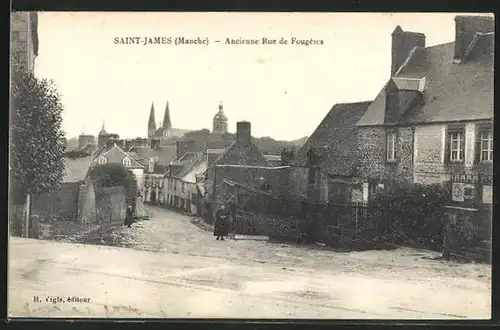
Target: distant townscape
403 179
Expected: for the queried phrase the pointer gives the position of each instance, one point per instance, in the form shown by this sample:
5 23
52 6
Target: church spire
103 130
151 122
166 118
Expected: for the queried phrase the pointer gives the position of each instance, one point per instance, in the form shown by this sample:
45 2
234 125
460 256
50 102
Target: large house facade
155 159
433 119
181 182
241 152
323 169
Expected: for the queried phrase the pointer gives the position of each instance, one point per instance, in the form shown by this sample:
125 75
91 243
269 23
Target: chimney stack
243 132
466 28
183 147
402 44
155 143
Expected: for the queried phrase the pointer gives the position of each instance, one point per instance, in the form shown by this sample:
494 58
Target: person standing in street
129 216
221 225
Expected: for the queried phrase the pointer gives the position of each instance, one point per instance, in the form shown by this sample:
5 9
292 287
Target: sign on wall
458 192
487 195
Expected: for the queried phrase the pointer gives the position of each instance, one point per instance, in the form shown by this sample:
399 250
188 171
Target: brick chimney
84 140
154 143
184 146
402 44
466 28
243 132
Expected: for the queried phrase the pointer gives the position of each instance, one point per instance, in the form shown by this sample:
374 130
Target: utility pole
27 215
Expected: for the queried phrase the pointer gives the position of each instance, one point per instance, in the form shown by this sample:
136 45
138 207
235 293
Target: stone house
324 168
182 181
155 159
24 38
114 154
75 199
240 152
434 117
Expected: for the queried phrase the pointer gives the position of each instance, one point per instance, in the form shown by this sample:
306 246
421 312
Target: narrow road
175 269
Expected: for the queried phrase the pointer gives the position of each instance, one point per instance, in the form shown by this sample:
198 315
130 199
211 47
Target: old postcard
251 165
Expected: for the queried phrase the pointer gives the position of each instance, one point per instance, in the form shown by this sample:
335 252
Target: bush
413 215
110 175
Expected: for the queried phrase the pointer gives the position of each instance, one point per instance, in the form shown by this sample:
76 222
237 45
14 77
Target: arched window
152 164
102 160
126 162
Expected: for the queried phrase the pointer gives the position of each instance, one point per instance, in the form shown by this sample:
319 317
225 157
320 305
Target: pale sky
283 90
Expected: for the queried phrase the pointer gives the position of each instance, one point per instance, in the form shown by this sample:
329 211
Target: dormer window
152 165
126 162
102 160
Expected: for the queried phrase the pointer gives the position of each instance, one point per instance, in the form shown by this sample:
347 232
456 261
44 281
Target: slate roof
186 164
452 91
336 135
116 155
213 155
164 154
239 154
75 169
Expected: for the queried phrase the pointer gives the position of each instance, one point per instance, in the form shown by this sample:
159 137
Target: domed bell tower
220 122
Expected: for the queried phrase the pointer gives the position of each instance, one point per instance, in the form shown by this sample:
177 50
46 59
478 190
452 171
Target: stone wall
429 163
371 152
24 38
110 204
86 202
61 204
16 219
429 146
276 177
297 182
404 153
467 228
372 158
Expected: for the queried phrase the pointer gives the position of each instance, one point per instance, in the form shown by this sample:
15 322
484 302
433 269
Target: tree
36 139
110 175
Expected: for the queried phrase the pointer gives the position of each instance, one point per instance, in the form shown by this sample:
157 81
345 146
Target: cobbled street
173 268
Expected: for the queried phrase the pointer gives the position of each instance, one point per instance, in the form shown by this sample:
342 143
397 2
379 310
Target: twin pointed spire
152 121
166 124
166 118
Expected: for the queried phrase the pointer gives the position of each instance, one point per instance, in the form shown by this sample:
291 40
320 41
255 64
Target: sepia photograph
237 165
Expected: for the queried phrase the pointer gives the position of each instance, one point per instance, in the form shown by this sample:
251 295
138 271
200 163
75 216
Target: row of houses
431 122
